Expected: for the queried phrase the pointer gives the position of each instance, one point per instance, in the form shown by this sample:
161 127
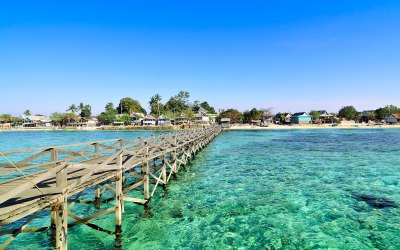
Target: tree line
350 113
346 112
179 105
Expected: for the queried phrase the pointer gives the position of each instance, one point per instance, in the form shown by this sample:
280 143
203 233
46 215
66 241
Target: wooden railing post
164 167
97 196
121 143
96 150
61 212
146 175
175 156
54 155
119 196
53 158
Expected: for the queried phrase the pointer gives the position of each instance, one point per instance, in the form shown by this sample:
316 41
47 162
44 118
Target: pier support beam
119 203
53 157
97 195
119 196
146 181
61 213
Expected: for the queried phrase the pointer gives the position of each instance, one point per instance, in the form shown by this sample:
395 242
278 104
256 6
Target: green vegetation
60 119
125 118
188 113
348 112
73 108
178 103
109 115
128 105
314 114
370 116
57 118
156 107
207 107
232 114
382 113
86 110
204 105
6 118
253 114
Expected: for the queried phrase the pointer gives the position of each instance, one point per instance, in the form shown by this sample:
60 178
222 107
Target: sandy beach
312 126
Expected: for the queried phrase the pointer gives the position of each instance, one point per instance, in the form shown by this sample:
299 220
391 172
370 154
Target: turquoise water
298 189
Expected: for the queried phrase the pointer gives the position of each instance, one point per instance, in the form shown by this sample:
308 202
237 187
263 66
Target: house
255 122
267 121
367 115
149 121
182 119
267 117
137 118
118 123
300 118
92 121
163 121
225 122
282 118
35 121
88 121
200 116
325 117
392 119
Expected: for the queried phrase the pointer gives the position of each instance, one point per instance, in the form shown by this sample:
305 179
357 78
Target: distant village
178 112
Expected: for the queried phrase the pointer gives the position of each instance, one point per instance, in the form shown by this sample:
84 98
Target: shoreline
311 126
106 128
232 127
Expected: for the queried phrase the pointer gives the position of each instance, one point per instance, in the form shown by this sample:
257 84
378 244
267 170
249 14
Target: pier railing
54 178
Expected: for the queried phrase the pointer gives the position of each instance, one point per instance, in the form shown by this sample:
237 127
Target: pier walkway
59 175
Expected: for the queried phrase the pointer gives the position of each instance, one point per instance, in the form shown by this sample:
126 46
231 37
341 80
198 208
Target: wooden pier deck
64 173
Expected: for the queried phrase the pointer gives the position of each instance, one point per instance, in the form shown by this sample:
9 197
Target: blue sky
289 55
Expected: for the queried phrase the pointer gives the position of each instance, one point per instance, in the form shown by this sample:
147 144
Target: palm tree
81 106
27 112
72 108
155 104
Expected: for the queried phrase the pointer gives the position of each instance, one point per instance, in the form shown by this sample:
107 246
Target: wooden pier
65 172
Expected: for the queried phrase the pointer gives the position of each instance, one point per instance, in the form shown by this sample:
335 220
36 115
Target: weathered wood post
119 199
61 211
97 196
185 156
175 156
96 150
164 167
119 202
121 143
146 181
97 193
53 157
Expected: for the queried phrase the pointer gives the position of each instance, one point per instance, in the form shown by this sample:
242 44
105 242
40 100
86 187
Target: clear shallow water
295 189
